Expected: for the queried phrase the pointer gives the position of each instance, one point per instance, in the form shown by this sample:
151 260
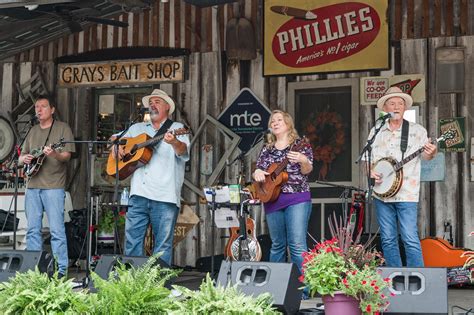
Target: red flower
368 308
301 278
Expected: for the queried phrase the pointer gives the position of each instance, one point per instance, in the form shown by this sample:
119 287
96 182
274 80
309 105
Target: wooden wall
207 91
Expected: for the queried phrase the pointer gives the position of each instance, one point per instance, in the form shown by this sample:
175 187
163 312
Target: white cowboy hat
161 94
395 91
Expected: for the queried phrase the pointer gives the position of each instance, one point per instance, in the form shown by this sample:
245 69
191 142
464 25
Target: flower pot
341 304
105 237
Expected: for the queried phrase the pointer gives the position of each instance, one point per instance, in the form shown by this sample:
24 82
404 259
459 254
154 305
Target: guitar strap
164 128
404 139
49 133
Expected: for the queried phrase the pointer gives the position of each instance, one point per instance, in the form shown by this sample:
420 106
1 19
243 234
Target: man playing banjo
398 207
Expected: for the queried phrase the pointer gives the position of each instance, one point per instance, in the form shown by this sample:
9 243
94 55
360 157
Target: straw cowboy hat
395 91
161 94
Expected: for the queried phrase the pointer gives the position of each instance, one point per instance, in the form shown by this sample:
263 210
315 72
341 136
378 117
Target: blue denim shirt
162 178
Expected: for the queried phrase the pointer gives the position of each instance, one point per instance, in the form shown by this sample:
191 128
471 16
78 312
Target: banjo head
391 179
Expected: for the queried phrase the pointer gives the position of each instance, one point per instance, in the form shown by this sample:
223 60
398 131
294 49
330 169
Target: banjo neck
398 166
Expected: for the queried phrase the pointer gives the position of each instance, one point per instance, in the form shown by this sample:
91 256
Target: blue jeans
162 216
52 201
288 228
391 217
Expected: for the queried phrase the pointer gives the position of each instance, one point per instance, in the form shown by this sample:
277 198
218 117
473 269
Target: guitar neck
281 167
150 142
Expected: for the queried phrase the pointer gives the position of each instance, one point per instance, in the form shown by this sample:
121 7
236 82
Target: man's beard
154 114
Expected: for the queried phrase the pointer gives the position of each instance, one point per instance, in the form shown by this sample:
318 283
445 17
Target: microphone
268 130
143 110
383 116
33 119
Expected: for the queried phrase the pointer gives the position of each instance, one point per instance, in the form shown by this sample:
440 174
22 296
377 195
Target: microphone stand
91 228
14 165
115 144
367 151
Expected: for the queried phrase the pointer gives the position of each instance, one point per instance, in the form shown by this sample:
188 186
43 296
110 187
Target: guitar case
439 252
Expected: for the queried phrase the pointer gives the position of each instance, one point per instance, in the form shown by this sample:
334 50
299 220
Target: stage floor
191 279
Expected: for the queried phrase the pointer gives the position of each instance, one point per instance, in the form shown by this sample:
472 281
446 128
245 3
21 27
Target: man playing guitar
400 209
155 193
45 189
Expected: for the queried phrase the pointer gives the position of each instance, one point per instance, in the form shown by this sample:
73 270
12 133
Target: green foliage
107 221
323 269
127 291
223 300
135 290
34 292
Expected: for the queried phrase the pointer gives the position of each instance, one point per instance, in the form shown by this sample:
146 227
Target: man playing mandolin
398 207
155 194
46 184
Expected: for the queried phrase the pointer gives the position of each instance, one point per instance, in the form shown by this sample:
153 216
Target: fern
223 300
35 292
135 290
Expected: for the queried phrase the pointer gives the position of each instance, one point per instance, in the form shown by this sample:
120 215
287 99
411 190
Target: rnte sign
122 72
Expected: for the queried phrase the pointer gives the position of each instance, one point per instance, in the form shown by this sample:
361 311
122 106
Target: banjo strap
404 139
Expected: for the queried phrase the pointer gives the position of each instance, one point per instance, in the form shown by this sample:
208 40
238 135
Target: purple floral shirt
297 182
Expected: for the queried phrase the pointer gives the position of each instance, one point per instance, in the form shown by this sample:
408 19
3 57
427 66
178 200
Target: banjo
391 170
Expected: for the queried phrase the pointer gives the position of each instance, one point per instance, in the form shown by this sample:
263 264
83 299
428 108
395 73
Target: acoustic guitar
243 244
138 152
33 168
269 190
391 170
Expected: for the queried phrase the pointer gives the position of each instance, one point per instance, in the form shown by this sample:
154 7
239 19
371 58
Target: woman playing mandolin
288 214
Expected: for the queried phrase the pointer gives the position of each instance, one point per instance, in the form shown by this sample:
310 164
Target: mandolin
242 244
269 190
138 152
38 158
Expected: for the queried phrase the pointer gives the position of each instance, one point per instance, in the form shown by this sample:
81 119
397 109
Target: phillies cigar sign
325 36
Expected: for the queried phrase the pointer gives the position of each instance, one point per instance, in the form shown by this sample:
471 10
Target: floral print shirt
387 144
297 182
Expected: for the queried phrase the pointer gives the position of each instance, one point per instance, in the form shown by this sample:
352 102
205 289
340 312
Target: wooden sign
122 72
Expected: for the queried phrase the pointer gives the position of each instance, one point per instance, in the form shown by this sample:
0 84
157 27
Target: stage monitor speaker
417 290
13 261
108 263
204 264
255 278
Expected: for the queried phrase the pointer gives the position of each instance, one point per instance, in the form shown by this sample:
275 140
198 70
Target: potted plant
107 224
345 273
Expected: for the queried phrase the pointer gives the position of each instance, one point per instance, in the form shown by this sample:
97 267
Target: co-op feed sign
122 72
